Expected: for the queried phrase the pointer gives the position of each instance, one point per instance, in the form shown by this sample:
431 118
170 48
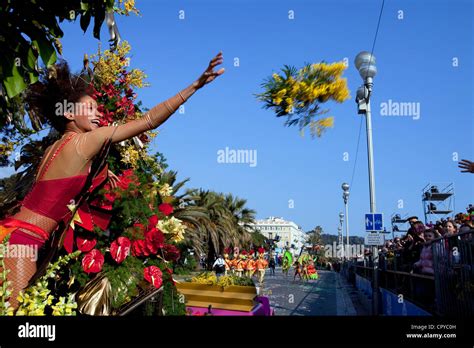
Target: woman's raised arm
153 118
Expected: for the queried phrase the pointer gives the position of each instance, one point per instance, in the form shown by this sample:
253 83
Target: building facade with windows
291 235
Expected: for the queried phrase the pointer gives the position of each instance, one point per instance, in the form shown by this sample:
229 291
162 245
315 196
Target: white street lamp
341 221
365 64
345 196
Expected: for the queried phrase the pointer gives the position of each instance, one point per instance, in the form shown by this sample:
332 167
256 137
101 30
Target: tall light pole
365 64
341 237
339 233
345 196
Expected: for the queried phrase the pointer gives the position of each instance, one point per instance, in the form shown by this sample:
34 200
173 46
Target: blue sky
415 64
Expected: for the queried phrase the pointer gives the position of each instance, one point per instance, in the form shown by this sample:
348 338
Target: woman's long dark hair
56 86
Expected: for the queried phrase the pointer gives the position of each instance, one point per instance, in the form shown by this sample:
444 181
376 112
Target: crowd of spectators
413 252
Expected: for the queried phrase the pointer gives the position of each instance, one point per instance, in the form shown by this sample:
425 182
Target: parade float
232 294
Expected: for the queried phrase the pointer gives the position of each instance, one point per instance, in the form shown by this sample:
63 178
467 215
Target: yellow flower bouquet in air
298 94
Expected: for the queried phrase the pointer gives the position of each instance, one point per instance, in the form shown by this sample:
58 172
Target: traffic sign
373 222
374 238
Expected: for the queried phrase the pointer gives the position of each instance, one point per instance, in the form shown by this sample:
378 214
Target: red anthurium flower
93 261
152 222
171 252
165 208
85 244
138 248
154 240
153 275
120 248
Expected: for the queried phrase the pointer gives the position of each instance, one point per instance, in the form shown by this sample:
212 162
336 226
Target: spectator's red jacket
425 263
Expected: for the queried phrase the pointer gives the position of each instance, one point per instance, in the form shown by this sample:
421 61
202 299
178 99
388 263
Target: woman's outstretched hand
210 75
466 166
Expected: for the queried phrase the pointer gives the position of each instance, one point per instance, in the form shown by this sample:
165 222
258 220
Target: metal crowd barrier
450 292
453 259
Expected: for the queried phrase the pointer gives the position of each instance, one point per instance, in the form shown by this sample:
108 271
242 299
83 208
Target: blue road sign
373 222
369 222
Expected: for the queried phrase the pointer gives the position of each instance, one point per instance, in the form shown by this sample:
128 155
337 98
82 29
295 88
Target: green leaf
46 50
14 84
34 76
85 20
98 20
84 6
31 59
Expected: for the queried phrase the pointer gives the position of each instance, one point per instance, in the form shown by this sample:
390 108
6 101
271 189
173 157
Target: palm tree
243 219
214 221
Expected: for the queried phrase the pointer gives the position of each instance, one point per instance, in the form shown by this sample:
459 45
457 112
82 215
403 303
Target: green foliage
183 268
124 279
258 239
172 301
30 31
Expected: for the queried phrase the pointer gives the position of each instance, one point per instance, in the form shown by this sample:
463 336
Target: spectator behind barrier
425 264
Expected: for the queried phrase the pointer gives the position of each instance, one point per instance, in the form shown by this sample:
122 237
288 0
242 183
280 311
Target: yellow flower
277 101
295 88
172 227
130 155
276 77
319 126
166 190
281 93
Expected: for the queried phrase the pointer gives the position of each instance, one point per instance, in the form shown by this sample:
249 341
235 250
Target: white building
291 235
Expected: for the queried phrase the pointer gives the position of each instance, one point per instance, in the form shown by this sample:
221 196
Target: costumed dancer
287 261
312 273
243 263
66 170
298 270
228 262
251 264
262 264
239 265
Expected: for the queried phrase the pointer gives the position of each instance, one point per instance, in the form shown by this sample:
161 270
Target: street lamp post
345 196
341 240
339 231
365 64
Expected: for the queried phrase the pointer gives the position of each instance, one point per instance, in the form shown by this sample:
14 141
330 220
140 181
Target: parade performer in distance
304 270
68 167
298 270
287 261
312 273
243 263
261 264
228 261
240 264
251 264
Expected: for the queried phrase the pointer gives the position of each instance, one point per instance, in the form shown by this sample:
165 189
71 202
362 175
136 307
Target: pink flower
120 248
153 275
85 244
154 240
138 248
171 252
165 208
93 261
152 221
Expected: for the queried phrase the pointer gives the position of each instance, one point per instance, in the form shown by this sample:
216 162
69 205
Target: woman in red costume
65 167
